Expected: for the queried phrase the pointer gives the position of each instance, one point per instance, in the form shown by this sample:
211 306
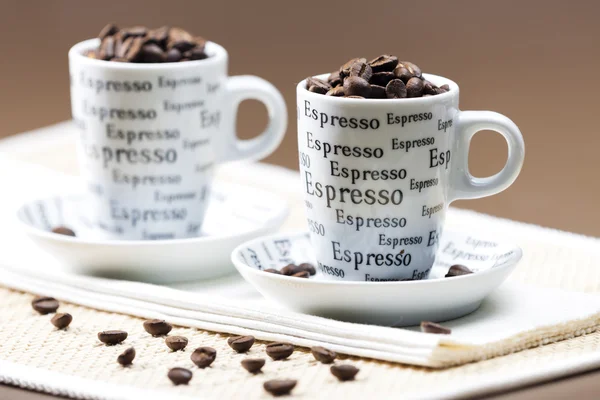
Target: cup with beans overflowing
383 150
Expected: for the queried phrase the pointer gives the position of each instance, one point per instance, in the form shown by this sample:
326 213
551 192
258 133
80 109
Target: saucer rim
29 229
239 265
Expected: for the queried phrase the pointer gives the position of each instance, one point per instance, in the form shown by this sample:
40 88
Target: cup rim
216 53
437 79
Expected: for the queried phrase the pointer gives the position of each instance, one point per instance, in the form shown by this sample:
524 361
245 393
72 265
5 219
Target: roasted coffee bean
126 357
180 39
134 31
403 73
334 79
378 92
203 356
45 305
384 62
308 267
432 327
344 372
176 343
337 91
241 344
323 355
355 86
429 88
273 271
61 320
412 68
301 274
63 230
445 87
382 78
152 53
157 327
345 69
158 36
280 387
112 337
362 70
458 270
354 97
108 30
173 55
253 365
117 59
317 85
414 87
107 48
279 351
122 46
180 376
134 51
290 269
197 53
396 89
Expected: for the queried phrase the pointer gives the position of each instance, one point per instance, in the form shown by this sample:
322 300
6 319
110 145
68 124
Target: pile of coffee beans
304 270
383 77
139 44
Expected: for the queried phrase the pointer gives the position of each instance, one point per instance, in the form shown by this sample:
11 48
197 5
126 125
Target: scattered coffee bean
273 271
414 87
384 62
334 79
253 365
126 357
63 230
432 327
382 78
241 344
337 91
395 89
323 355
279 387
176 343
308 267
142 45
45 305
317 85
157 327
111 338
302 274
458 270
344 372
362 70
279 351
180 376
356 86
61 320
378 92
203 356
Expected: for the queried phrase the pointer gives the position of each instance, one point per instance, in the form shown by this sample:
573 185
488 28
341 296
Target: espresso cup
378 176
152 134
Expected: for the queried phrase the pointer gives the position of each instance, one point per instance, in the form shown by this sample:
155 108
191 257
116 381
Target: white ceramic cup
152 134
378 176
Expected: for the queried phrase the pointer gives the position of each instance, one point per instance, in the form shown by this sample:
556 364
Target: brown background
535 61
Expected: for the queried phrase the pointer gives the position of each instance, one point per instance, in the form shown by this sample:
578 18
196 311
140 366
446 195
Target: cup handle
239 88
463 185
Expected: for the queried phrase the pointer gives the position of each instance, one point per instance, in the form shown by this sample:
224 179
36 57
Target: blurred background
535 61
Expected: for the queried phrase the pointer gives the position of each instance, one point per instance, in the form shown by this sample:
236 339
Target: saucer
380 303
235 215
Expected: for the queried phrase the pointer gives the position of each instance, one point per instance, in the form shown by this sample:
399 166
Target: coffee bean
345 69
180 376
122 45
334 79
323 355
176 343
412 68
203 356
173 55
308 267
108 30
158 36
290 269
279 351
432 327
134 51
355 86
63 230
458 270
117 59
157 327
134 31
301 274
382 78
384 62
337 91
414 87
344 372
126 357
253 365
152 53
429 88
403 73
445 87
107 48
273 271
354 97
279 387
378 92
317 85
241 344
111 338
61 320
362 70
180 39
45 305
197 53
395 89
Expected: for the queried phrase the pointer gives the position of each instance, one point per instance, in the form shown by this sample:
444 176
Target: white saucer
235 214
380 303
